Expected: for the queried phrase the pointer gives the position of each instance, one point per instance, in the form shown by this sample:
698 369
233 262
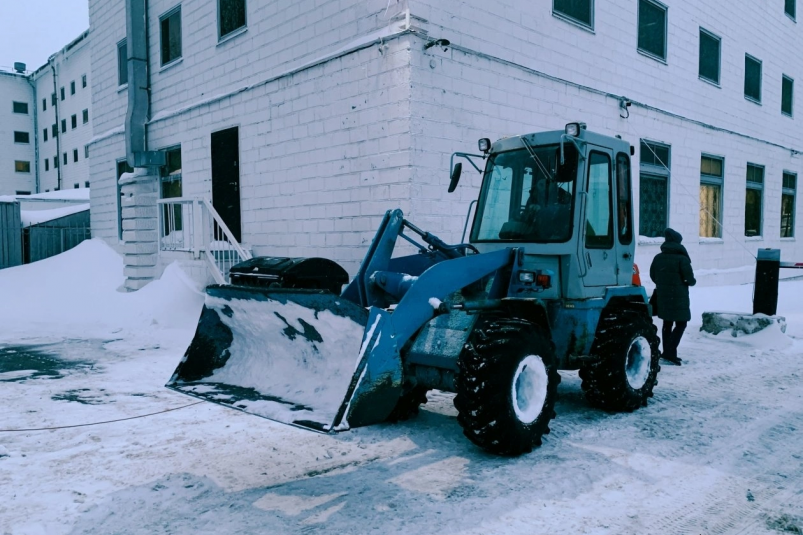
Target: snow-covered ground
719 449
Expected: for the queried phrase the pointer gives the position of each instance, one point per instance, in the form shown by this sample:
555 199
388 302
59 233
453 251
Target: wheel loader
543 284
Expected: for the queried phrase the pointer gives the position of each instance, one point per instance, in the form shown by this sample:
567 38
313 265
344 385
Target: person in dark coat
672 274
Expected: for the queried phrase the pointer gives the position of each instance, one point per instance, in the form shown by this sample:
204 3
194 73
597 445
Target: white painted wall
70 65
15 87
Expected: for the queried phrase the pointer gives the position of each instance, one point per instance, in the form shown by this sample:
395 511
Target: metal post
765 291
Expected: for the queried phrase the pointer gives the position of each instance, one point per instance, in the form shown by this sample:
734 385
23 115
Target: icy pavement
719 449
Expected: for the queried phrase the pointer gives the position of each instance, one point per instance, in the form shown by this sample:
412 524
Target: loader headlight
484 144
527 277
573 129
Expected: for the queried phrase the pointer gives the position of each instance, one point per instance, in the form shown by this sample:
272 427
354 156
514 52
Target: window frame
64 126
793 14
72 87
47 164
63 94
44 134
75 156
64 157
760 78
26 164
85 116
240 29
652 171
15 104
644 51
122 63
44 104
718 39
791 111
793 192
83 81
165 17
755 186
74 121
713 180
599 244
27 136
556 12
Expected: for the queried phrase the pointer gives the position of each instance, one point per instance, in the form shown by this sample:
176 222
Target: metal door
597 229
226 178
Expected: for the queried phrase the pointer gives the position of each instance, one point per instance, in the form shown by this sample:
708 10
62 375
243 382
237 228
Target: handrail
219 220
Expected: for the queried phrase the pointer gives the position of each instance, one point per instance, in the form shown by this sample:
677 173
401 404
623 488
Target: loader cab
565 197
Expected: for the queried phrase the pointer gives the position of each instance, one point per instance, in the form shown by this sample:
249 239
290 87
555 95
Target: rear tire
507 386
626 370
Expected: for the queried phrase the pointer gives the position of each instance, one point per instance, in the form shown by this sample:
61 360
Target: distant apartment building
302 122
54 102
17 134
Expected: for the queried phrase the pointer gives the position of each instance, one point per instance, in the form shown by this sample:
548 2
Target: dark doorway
226 178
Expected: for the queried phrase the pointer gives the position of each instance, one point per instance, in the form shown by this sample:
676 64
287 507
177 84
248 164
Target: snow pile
75 293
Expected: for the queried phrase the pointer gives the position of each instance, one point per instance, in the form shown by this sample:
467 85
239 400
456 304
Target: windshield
527 196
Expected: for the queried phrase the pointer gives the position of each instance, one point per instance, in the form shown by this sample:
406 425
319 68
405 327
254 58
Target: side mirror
458 168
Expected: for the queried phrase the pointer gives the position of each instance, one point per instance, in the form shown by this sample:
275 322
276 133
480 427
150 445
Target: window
710 49
75 155
122 167
122 63
63 95
55 131
44 104
652 28
752 78
231 16
711 183
599 234
752 206
76 185
170 24
22 137
47 164
53 98
789 8
72 87
64 157
581 11
21 107
787 92
63 126
653 188
170 178
86 151
74 121
86 184
789 185
22 167
18 192
85 115
44 134
55 162
83 80
624 228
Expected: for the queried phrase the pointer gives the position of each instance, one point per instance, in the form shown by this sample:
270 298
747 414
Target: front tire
625 372
507 386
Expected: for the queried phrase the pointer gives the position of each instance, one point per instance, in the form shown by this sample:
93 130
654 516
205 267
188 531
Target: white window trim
647 53
719 59
760 80
169 13
239 31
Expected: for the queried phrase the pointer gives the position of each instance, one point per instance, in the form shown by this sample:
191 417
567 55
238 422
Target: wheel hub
639 357
529 389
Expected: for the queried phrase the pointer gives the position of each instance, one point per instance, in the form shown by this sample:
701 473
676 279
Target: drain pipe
58 126
139 189
32 83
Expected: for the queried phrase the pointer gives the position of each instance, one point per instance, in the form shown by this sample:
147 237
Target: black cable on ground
99 423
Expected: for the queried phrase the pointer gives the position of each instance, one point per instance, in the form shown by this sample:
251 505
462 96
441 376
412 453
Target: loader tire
408 405
623 375
506 386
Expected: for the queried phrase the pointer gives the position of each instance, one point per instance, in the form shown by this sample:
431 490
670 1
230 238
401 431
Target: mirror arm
467 157
576 144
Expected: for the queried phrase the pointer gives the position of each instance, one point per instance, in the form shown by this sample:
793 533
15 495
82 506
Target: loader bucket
290 355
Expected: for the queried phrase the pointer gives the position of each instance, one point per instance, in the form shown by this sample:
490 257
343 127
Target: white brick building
17 133
64 107
337 111
49 138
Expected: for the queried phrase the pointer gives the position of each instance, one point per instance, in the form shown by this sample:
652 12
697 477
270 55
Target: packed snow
717 450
